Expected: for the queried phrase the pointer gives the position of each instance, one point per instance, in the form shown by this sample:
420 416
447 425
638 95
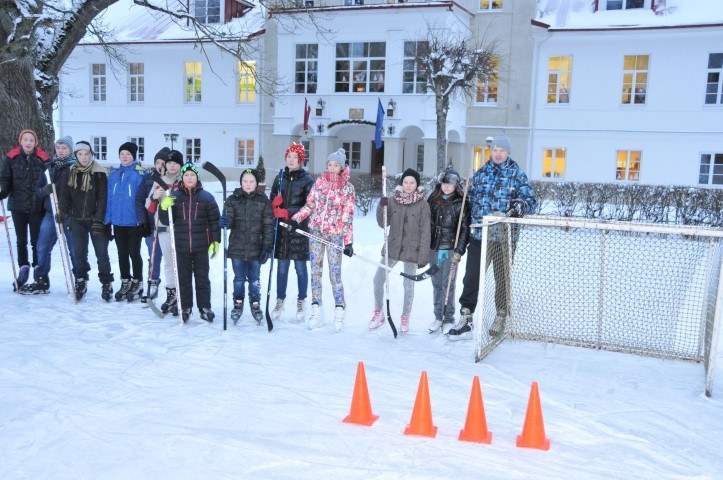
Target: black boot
80 288
186 314
41 285
106 292
170 302
136 290
207 314
238 310
152 292
125 288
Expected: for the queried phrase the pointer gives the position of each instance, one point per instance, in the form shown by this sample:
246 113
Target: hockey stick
156 177
10 247
417 278
60 233
269 323
211 168
386 255
453 269
171 230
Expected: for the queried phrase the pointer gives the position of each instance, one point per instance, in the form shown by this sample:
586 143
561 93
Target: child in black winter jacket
248 214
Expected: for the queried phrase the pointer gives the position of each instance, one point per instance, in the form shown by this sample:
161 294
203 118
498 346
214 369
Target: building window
246 82
559 79
487 85
420 158
628 165
714 85
98 82
141 142
624 4
360 67
307 66
490 4
100 147
245 153
711 169
635 79
353 150
136 82
553 162
193 150
207 11
414 76
193 82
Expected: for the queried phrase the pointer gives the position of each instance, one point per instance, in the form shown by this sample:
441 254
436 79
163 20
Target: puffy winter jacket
330 206
19 174
409 230
252 224
295 186
90 205
59 171
195 219
445 214
123 185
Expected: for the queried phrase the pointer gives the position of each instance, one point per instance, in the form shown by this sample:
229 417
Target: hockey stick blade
422 276
155 308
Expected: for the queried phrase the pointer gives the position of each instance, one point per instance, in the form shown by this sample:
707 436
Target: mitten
47 189
225 221
168 202
349 250
97 228
144 230
213 249
277 201
384 201
281 213
292 225
421 265
516 209
265 254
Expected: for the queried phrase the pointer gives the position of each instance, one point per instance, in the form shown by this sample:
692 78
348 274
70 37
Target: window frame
193 82
414 76
192 150
487 91
356 70
100 147
353 150
557 156
717 84
207 14
136 82
624 171
632 80
246 81
246 148
715 159
490 5
558 90
141 142
306 68
98 83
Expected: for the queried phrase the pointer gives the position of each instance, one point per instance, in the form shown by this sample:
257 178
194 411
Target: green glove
168 202
213 249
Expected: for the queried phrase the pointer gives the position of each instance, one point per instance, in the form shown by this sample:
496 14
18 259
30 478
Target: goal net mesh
621 286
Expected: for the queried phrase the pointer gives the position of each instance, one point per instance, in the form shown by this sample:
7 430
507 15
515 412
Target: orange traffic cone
475 427
361 407
421 421
533 432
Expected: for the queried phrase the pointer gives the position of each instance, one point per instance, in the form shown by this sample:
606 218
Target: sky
111 391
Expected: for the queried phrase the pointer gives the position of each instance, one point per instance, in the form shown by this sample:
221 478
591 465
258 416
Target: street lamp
391 106
320 104
174 137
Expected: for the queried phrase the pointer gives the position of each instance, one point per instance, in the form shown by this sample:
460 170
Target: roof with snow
581 14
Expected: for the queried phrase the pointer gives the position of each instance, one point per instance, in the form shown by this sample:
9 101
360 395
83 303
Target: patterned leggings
316 249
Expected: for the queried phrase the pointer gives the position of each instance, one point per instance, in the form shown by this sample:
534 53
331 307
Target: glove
384 201
349 250
224 221
516 209
265 254
97 228
213 249
456 257
292 225
278 200
144 230
281 213
59 218
47 189
168 202
421 265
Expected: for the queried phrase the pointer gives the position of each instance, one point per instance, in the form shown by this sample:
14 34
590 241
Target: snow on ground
111 391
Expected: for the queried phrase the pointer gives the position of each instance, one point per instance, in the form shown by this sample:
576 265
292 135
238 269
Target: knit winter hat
190 166
20 137
175 156
298 149
162 154
68 140
410 172
129 147
83 145
502 142
252 172
449 176
339 157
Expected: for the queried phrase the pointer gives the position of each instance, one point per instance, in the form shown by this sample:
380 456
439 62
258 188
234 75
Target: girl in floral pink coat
330 208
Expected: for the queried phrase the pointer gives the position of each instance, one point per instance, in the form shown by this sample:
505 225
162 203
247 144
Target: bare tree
453 63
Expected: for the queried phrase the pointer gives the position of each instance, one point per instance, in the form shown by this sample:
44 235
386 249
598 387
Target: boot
405 324
256 312
152 292
80 288
315 320
207 314
171 300
106 292
338 318
41 285
186 314
377 320
447 325
136 290
498 325
238 310
435 325
462 333
278 309
300 310
125 288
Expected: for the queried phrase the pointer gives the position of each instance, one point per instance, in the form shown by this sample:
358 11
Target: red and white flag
307 112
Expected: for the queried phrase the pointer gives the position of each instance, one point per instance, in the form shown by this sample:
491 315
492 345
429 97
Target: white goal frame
700 329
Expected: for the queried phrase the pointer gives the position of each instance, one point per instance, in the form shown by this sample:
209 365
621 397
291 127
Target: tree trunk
441 104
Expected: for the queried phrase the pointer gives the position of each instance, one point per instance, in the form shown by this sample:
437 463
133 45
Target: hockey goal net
637 288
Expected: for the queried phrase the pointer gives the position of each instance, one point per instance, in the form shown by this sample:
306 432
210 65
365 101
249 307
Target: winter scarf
86 174
408 198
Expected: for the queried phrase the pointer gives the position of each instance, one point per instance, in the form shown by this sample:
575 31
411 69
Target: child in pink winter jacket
330 208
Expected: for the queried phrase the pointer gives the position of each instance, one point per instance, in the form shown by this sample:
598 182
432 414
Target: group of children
304 219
